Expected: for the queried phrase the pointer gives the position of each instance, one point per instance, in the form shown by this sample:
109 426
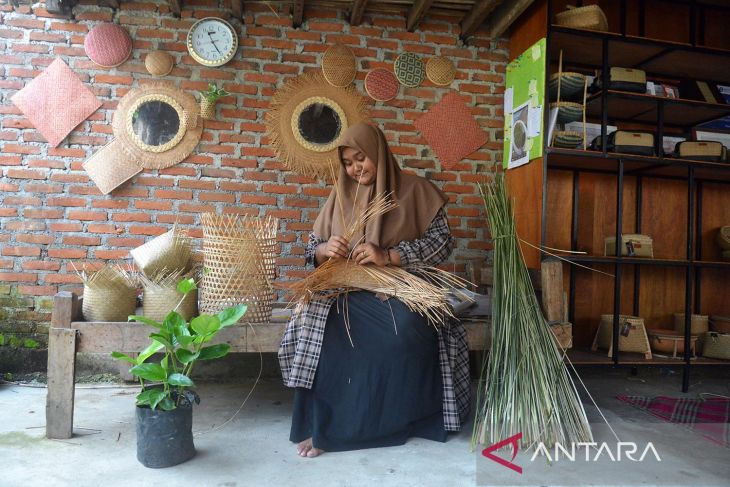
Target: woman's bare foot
306 449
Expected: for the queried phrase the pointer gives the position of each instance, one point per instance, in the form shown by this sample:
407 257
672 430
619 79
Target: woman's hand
367 253
336 247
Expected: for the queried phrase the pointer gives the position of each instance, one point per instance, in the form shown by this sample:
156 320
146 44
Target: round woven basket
409 69
567 139
381 84
440 70
699 323
158 301
568 111
159 63
571 85
339 66
207 108
240 262
723 237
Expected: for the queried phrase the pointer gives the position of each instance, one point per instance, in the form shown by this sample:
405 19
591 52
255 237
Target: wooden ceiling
494 16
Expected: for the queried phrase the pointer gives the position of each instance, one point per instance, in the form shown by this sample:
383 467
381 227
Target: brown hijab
418 199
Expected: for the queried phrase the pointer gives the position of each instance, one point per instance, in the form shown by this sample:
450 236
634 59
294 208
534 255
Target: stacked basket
570 91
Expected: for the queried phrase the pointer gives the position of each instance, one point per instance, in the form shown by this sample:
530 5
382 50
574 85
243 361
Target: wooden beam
502 18
61 368
358 9
176 7
297 13
416 14
471 22
237 9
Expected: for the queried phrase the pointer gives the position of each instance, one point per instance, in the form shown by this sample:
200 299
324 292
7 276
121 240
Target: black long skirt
379 392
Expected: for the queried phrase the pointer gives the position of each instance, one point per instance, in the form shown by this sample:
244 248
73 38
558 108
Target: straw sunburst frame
293 99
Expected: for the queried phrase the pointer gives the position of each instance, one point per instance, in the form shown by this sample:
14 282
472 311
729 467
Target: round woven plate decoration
409 69
108 45
339 66
381 84
159 63
440 70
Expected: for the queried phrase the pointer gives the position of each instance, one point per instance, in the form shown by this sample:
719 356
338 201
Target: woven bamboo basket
165 253
670 342
720 324
716 345
207 108
636 340
723 237
589 17
240 264
699 323
110 294
567 139
160 296
563 333
568 111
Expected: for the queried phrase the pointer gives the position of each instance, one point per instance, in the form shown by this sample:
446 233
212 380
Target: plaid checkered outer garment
302 341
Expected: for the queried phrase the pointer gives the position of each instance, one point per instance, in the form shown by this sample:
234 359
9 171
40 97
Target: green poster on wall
524 98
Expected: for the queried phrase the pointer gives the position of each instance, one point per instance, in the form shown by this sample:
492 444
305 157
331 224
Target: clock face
212 41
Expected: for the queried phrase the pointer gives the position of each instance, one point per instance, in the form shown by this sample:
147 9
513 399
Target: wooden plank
503 17
357 11
264 338
61 377
416 13
237 9
525 188
64 305
478 14
297 13
552 289
176 7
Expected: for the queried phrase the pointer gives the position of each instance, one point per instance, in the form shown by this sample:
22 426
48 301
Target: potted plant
165 404
209 98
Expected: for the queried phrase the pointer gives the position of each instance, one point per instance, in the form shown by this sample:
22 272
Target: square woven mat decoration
56 101
451 130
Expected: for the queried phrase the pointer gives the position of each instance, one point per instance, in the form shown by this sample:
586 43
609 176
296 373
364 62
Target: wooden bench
68 335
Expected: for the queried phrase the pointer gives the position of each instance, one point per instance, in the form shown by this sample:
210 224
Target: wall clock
212 41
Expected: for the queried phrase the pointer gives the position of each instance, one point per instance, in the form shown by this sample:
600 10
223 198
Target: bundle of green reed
525 386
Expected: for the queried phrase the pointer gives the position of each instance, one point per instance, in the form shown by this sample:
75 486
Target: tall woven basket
160 296
240 264
109 295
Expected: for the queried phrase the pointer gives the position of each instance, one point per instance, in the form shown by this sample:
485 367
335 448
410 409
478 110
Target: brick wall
52 215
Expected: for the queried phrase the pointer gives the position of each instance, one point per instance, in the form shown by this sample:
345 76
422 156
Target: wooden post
552 290
61 368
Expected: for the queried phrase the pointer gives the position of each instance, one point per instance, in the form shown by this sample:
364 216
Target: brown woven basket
699 323
670 342
716 345
207 108
240 263
636 341
109 295
723 237
589 17
720 324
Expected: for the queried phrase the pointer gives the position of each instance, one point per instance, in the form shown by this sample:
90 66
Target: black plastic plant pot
165 438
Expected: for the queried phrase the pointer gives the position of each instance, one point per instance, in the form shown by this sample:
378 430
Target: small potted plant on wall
165 404
209 98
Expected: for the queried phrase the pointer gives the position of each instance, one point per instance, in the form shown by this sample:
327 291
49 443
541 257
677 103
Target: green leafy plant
167 384
213 93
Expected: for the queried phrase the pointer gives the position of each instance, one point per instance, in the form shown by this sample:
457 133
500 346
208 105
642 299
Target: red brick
173 194
6 212
253 199
180 219
40 265
279 189
153 205
132 217
104 228
25 226
68 253
146 230
38 290
61 278
286 214
110 204
110 254
124 242
34 238
223 197
17 277
25 174
76 240
21 251
87 215
240 187
66 202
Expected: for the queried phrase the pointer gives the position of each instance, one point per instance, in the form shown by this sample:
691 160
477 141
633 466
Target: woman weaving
375 384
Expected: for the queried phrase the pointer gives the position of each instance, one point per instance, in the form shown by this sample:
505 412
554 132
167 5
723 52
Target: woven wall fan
306 118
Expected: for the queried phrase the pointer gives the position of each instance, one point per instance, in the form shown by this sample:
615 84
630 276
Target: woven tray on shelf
720 324
589 17
670 342
239 258
636 340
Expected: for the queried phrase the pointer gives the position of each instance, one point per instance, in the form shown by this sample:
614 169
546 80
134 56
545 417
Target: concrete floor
253 449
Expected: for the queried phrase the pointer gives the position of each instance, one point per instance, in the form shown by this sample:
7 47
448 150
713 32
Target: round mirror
317 124
155 123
